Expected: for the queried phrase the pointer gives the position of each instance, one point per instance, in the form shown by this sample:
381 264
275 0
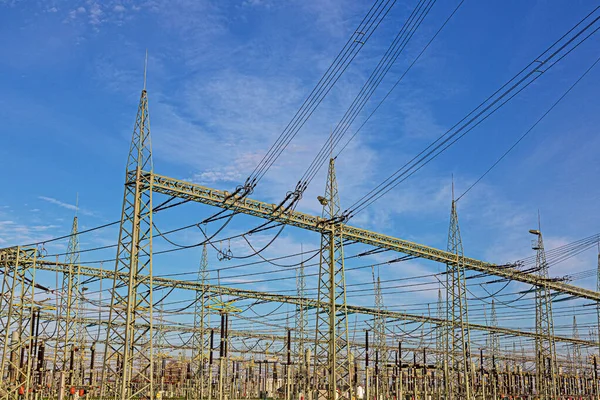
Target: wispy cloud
68 206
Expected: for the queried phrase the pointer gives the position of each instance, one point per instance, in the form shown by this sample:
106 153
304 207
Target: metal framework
128 368
19 312
458 355
576 349
332 356
301 324
494 339
380 345
545 345
69 332
440 332
307 302
128 358
200 337
226 200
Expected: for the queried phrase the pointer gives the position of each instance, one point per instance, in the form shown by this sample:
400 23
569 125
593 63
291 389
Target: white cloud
58 203
95 14
18 233
68 206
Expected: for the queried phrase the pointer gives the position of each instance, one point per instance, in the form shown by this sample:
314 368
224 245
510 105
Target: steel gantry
494 340
458 354
200 338
300 332
440 332
128 354
69 345
545 344
128 358
226 200
19 323
380 345
332 355
294 300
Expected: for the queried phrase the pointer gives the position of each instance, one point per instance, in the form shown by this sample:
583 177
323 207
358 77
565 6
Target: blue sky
225 77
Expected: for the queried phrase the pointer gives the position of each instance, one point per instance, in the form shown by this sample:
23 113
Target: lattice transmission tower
19 316
201 338
458 355
576 348
440 331
69 334
128 355
380 345
493 338
545 346
301 324
332 352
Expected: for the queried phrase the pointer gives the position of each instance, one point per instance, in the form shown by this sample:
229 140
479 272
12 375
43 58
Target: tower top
145 68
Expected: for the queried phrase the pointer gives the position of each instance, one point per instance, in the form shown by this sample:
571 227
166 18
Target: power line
582 31
357 40
529 130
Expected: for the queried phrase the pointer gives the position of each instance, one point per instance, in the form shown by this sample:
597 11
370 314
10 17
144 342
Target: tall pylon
68 327
127 371
458 355
301 325
332 352
494 339
379 333
20 314
545 346
576 349
440 329
201 338
161 356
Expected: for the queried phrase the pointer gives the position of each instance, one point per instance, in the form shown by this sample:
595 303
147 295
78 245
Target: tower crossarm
223 199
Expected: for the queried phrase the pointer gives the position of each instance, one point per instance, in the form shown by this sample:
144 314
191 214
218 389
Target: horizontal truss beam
306 302
223 199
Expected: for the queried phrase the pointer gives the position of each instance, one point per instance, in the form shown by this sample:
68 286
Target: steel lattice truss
545 345
200 338
128 367
458 354
332 359
295 300
69 330
128 360
19 313
223 199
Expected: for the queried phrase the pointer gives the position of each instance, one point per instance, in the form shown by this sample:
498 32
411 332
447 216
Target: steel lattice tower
301 325
68 328
18 318
440 336
545 347
576 348
200 337
128 357
161 356
379 333
332 353
458 356
494 344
